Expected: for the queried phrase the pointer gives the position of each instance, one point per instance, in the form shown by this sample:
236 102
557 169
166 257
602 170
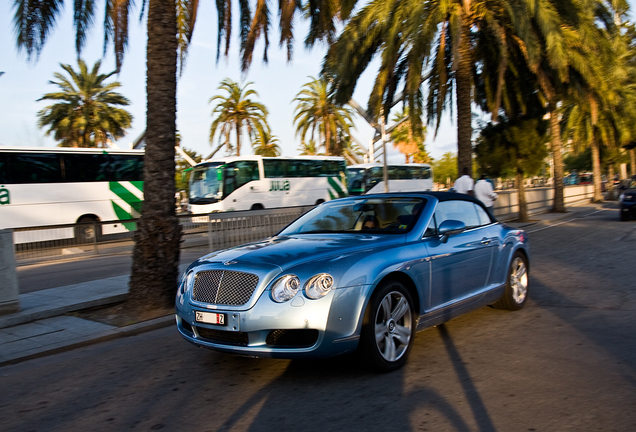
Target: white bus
257 182
369 178
58 186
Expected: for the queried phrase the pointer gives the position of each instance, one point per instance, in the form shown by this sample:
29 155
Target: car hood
289 251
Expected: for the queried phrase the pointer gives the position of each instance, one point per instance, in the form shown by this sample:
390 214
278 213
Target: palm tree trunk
632 159
238 139
328 146
523 204
596 169
153 282
464 100
557 158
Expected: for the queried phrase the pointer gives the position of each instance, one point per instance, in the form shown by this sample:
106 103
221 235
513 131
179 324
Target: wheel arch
405 280
525 254
91 216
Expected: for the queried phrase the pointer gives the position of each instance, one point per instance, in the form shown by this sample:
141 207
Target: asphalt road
37 277
566 362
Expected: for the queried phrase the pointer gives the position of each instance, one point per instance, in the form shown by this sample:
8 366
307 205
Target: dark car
627 199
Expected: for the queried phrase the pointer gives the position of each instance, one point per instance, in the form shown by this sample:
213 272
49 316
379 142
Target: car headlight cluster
186 282
286 287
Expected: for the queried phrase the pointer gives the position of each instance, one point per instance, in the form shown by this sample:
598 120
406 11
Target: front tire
388 329
516 292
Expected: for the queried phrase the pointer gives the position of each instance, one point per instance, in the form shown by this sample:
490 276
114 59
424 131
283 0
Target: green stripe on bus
125 195
124 215
334 184
139 184
331 195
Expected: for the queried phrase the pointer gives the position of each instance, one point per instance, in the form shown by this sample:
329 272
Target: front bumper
299 328
628 207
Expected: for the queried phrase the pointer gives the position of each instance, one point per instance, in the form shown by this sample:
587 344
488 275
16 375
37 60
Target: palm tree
308 148
170 27
266 144
86 113
407 142
319 117
236 111
442 36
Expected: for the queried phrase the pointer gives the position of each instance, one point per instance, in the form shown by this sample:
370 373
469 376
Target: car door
460 266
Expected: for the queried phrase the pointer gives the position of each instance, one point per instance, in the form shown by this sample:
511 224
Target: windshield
374 216
206 183
355 181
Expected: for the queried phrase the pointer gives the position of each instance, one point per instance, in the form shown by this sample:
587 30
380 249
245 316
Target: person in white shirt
465 183
485 193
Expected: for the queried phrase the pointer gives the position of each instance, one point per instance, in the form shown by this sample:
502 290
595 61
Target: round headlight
285 288
318 286
621 197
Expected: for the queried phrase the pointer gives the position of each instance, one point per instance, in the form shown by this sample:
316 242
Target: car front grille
296 338
223 337
224 287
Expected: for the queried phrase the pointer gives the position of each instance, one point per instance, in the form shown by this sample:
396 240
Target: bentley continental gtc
358 274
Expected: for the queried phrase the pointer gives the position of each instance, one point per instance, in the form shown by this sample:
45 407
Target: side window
275 168
245 172
464 211
126 168
431 229
86 167
484 219
4 169
375 176
36 168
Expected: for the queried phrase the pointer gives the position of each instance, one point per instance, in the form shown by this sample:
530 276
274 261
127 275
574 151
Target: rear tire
257 207
320 201
87 230
388 329
516 292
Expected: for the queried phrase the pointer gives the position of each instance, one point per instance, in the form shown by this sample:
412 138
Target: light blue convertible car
359 273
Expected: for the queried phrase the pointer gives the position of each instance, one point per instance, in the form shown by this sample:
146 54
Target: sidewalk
42 328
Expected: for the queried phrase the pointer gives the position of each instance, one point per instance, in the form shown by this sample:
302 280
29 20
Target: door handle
485 241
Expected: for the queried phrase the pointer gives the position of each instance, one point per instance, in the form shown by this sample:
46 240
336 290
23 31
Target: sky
277 83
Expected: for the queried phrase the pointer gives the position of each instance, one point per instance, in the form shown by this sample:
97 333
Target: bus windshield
206 183
356 181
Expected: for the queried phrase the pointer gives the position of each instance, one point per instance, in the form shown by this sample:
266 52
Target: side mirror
450 227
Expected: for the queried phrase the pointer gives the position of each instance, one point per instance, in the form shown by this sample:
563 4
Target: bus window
125 168
237 174
4 169
275 168
356 181
85 167
35 168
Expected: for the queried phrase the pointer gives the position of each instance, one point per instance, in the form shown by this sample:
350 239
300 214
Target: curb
116 333
27 317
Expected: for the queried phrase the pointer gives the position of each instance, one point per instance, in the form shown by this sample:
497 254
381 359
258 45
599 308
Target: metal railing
216 231
539 200
221 230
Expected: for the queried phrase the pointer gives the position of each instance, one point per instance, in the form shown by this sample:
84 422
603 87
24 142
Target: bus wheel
257 207
87 230
320 201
